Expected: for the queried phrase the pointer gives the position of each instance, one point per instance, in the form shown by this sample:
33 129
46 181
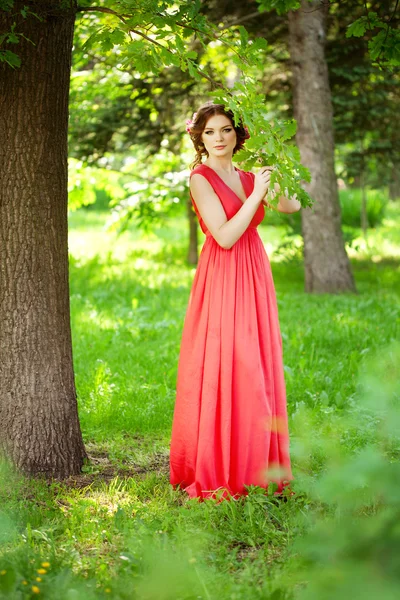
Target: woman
230 426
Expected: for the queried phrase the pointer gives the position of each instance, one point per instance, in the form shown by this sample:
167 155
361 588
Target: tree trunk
364 214
327 267
394 183
192 256
39 426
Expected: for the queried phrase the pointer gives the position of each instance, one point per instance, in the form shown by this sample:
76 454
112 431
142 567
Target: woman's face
219 136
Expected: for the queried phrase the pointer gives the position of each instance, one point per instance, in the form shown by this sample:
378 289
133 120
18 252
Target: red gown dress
230 426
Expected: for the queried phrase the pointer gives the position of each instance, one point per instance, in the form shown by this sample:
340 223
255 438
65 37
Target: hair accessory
189 122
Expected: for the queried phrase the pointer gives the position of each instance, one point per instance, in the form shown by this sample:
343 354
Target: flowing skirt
230 424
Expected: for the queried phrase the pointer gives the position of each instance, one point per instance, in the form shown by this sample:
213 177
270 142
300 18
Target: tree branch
101 9
143 35
387 29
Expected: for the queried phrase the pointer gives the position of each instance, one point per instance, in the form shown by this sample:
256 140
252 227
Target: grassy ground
119 530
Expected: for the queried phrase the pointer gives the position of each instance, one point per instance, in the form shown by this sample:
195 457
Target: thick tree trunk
327 267
39 426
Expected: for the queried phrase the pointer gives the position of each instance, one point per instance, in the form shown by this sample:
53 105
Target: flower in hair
189 122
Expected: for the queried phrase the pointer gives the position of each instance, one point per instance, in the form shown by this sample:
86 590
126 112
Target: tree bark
394 183
327 267
39 426
192 255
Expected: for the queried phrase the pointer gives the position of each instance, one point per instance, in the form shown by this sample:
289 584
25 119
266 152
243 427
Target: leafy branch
164 44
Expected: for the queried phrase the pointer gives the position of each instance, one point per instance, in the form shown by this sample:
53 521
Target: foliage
352 548
146 191
365 103
83 181
291 247
154 38
383 45
350 202
113 110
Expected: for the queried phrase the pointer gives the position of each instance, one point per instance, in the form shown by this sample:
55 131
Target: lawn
119 530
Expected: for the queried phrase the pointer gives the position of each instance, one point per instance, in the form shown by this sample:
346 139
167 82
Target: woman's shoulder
248 174
198 170
204 177
201 168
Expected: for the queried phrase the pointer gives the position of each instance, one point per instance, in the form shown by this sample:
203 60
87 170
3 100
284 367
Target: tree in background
327 267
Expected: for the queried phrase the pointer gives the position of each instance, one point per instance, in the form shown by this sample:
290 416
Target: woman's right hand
261 182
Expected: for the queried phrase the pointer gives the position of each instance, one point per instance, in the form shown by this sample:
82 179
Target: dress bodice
230 201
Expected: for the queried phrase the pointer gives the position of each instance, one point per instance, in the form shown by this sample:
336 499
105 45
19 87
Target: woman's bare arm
225 232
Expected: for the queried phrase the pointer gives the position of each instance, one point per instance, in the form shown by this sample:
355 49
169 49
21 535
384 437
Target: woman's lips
219 147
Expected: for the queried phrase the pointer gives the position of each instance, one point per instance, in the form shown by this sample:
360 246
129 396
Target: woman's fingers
266 170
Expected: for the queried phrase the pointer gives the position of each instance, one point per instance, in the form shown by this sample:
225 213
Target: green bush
350 202
351 542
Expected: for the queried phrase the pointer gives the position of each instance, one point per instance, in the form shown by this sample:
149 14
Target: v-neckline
226 185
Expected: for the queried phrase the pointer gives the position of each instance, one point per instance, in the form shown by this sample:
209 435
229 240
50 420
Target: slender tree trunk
327 267
192 256
364 215
394 183
39 426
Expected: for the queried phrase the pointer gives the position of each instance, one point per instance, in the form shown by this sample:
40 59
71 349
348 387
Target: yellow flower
41 571
107 590
25 582
38 579
35 589
45 564
3 572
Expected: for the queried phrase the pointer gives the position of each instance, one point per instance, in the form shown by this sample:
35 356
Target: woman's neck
224 165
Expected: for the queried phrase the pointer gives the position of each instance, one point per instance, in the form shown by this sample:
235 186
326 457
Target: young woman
230 426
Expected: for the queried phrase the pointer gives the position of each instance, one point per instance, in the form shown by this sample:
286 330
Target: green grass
119 526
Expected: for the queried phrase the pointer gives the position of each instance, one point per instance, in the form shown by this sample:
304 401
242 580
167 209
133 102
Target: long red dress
230 426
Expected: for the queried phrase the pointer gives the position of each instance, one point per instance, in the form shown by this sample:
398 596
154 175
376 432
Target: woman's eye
229 129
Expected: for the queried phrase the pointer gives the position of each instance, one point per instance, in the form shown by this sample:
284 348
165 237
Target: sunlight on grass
118 529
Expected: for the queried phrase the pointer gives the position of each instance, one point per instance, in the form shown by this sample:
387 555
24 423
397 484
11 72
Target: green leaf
244 36
117 36
192 70
375 45
357 28
12 38
259 44
10 58
289 129
179 44
271 145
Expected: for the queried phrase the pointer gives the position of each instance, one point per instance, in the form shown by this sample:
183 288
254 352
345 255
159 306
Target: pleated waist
250 228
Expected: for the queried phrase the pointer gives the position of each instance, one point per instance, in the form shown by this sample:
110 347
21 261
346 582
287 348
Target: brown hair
207 110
